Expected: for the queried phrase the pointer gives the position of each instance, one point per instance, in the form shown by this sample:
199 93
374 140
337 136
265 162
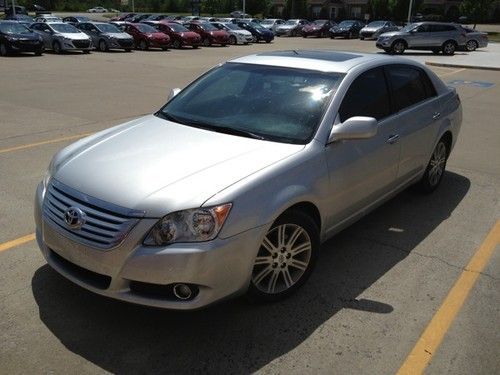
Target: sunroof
318 55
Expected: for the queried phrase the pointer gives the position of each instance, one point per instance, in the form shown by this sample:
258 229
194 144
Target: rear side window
409 85
367 96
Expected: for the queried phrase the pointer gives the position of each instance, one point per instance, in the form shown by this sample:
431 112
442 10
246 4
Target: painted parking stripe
17 242
433 335
31 145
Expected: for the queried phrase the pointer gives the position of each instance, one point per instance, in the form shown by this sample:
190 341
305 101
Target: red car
209 33
179 35
318 28
146 36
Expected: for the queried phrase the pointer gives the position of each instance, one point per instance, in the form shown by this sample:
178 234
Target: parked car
347 29
374 29
267 155
21 18
258 32
291 27
179 35
137 18
433 36
97 10
318 28
239 14
75 20
208 19
157 17
106 36
61 37
15 38
122 16
209 34
146 36
48 18
237 35
272 23
475 39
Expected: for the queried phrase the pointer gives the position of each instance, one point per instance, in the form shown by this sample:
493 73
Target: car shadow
236 336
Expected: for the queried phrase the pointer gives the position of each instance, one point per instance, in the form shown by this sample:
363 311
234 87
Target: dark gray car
376 28
433 36
106 36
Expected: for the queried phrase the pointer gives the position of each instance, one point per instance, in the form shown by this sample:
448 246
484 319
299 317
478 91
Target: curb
444 65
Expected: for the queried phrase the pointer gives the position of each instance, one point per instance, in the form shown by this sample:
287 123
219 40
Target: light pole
133 6
409 11
13 9
244 8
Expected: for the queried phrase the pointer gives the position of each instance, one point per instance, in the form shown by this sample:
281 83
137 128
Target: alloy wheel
449 48
143 45
437 164
232 39
471 45
176 44
399 47
56 47
283 258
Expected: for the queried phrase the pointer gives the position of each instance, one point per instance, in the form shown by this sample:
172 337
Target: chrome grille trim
106 224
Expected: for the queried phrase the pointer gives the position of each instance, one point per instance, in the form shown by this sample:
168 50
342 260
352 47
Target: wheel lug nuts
283 265
275 265
275 255
288 256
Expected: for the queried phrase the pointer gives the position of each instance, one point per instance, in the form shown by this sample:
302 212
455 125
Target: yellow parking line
30 145
431 338
18 241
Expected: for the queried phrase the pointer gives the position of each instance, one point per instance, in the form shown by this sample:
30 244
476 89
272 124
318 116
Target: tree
399 8
379 9
476 10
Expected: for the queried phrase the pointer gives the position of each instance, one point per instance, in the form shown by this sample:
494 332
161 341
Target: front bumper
339 33
383 44
218 268
25 46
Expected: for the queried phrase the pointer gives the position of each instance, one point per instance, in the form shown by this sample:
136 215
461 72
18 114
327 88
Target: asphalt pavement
377 285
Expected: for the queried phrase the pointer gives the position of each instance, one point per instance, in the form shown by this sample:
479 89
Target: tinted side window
410 86
367 96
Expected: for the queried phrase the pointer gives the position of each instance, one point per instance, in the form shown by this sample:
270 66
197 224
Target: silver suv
431 36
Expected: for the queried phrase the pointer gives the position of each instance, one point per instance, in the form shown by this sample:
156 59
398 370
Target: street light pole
13 9
409 11
244 8
133 6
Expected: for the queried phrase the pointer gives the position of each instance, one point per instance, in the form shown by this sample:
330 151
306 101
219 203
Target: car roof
320 60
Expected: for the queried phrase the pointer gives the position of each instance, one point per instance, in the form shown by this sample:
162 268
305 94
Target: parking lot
377 285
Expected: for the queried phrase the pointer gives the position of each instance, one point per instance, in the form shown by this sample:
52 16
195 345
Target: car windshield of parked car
291 22
177 28
108 28
265 102
233 26
208 27
143 28
376 24
346 23
319 22
409 27
65 28
257 26
267 22
82 19
14 28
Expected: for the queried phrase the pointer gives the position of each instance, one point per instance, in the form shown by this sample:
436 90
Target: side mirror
357 127
173 93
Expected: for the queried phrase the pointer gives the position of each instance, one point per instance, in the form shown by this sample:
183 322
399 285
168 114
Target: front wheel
56 47
103 46
206 42
398 47
435 169
3 50
232 40
285 258
176 44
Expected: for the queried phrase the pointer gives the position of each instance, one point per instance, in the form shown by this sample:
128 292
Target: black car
347 29
15 37
258 31
75 20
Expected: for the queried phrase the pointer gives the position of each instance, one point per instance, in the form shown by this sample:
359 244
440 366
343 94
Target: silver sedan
233 185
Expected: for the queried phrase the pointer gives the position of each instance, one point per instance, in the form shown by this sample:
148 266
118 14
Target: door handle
436 115
393 139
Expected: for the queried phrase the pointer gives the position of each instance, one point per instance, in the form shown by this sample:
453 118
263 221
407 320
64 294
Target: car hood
189 35
393 33
76 36
371 29
242 32
118 35
156 35
287 27
25 36
219 33
158 166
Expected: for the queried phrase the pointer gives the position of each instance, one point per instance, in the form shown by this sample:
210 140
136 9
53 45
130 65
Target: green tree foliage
476 10
399 8
379 9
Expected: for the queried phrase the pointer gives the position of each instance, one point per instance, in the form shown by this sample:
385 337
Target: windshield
143 28
319 22
108 28
346 23
233 26
177 28
408 27
376 24
291 22
266 102
267 22
82 19
13 28
256 25
64 28
208 27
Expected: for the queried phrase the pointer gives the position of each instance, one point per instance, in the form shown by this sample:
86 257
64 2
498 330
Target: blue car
259 32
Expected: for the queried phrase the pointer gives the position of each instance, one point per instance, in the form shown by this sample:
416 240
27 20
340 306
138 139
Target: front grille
91 278
367 34
81 43
105 224
126 42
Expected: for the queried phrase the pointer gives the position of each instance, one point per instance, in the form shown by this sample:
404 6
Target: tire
388 50
293 33
164 48
349 36
103 46
361 38
398 47
56 47
324 34
232 40
471 45
195 47
223 45
3 50
176 44
86 51
206 42
279 270
38 52
449 48
143 45
435 168
268 41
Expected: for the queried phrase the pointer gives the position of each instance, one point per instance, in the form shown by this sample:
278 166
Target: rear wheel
471 45
436 167
176 44
449 48
3 50
143 45
398 47
206 42
128 50
103 46
232 40
285 258
361 38
56 47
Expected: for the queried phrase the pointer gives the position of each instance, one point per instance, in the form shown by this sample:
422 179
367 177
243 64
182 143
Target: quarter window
409 85
367 96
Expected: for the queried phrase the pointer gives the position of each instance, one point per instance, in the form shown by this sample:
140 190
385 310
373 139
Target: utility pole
133 6
409 11
244 8
13 9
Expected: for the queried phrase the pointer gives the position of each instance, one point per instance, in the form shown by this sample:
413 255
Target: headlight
195 225
48 175
12 39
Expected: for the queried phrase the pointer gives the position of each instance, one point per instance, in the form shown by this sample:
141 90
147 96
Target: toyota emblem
74 218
